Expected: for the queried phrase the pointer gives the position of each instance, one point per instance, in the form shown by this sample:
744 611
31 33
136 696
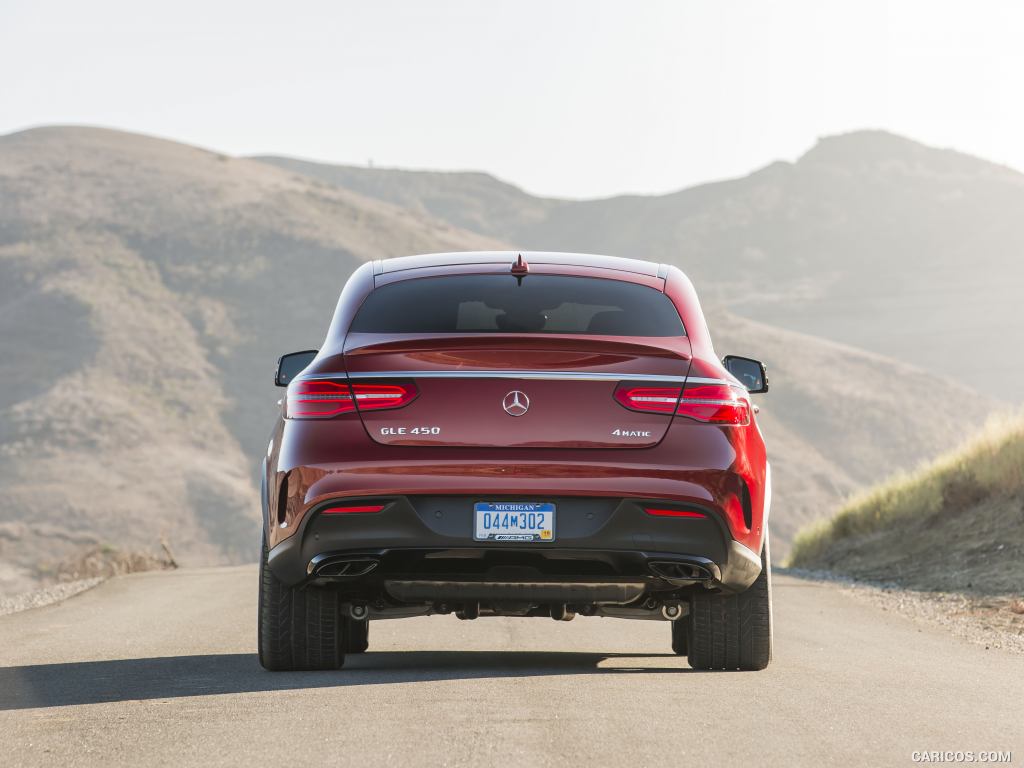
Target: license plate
513 521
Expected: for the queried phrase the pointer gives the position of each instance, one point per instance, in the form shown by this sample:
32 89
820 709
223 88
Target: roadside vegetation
955 524
106 561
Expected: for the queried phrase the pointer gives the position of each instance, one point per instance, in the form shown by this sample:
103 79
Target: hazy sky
566 98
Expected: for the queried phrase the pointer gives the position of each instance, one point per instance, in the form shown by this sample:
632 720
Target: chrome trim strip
703 380
537 375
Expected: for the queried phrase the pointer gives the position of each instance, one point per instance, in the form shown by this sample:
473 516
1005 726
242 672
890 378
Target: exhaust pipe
358 612
683 572
340 565
672 611
561 612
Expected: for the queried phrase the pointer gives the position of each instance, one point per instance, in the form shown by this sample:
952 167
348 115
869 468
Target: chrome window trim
536 375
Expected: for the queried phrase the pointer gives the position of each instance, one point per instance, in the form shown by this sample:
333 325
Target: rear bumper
723 469
601 542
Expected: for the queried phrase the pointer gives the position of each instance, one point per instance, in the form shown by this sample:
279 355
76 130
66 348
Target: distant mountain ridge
471 200
146 288
869 239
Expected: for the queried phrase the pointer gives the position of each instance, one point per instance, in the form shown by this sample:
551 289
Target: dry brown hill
956 525
146 288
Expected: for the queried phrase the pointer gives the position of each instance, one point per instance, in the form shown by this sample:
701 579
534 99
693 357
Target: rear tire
680 636
299 627
732 631
357 635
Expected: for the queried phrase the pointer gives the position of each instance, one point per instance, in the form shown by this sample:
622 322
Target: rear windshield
506 304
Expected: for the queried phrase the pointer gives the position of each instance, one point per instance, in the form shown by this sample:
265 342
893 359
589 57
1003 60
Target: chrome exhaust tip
335 565
561 612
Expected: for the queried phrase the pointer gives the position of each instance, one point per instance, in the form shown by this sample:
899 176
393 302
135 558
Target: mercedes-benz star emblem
516 403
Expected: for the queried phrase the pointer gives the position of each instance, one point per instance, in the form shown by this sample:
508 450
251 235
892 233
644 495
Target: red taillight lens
711 403
308 399
662 512
354 509
652 399
318 399
374 397
715 404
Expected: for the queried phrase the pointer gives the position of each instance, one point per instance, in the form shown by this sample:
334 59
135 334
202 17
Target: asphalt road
159 669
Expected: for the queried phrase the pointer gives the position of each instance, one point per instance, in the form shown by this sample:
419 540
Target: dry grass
963 509
107 561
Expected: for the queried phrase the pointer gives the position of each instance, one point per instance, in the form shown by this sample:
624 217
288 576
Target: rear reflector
711 403
323 399
355 509
659 512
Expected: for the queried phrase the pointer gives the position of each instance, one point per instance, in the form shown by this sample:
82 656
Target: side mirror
751 373
291 365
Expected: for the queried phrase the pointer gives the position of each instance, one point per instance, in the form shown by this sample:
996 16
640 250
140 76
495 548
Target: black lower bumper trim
526 592
424 539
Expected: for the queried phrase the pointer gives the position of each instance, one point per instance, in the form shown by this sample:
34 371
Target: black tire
732 631
357 635
680 636
299 627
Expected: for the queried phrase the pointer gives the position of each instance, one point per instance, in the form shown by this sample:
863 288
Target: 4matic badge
631 433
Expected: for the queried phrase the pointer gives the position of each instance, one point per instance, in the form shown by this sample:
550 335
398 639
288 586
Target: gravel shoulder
37 598
993 621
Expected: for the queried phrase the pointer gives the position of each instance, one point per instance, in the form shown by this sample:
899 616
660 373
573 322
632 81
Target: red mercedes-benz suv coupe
504 434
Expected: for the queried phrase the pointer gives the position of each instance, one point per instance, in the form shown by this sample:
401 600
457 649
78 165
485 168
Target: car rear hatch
517 390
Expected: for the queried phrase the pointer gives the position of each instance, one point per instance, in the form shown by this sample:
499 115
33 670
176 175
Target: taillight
715 404
321 399
654 399
710 403
318 399
374 397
